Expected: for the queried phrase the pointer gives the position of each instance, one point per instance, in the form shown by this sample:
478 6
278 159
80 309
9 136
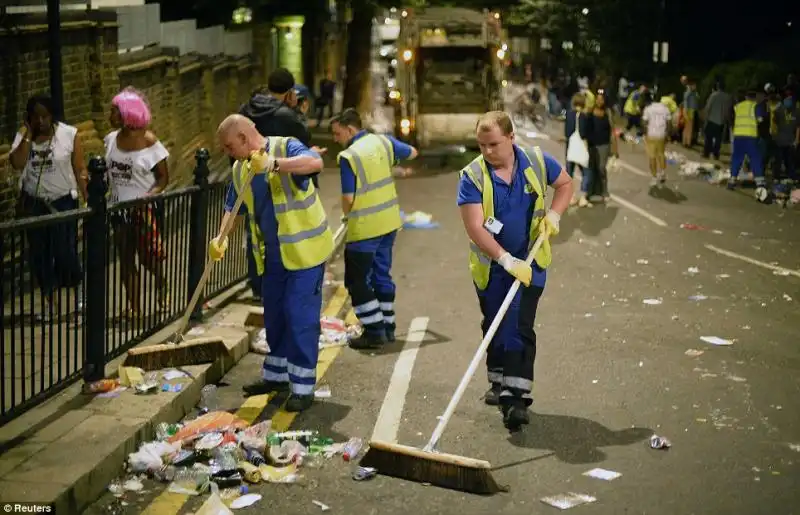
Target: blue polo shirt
401 151
264 210
513 207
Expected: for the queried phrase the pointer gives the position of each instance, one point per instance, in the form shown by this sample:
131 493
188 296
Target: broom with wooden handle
426 465
177 352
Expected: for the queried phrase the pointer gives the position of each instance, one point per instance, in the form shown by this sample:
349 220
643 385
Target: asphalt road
611 369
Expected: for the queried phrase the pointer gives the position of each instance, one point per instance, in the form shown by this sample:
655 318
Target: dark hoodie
274 118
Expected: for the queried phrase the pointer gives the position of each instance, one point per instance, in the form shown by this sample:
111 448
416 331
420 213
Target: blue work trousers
368 279
512 353
292 301
746 146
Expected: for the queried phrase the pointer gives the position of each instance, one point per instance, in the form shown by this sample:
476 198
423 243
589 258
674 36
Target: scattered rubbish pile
675 158
707 171
221 454
143 383
336 332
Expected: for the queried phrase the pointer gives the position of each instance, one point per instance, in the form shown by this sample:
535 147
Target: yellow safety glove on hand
261 162
516 267
550 224
216 249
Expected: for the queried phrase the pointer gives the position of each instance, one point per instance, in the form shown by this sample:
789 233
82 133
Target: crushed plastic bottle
352 448
102 386
164 430
208 398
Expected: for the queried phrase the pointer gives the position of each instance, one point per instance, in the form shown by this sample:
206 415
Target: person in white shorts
656 119
49 155
137 167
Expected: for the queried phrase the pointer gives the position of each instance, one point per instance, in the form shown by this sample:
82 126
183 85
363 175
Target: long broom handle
226 229
445 418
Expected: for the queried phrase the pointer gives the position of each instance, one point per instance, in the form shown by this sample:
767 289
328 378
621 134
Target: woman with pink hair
137 167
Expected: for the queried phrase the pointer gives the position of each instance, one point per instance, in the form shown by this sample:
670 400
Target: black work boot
299 402
515 414
390 335
262 387
492 395
369 341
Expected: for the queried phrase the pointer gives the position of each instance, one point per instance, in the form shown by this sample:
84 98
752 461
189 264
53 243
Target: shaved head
238 136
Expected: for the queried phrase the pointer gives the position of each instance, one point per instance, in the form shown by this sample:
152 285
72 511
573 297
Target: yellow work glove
550 223
216 249
261 162
516 267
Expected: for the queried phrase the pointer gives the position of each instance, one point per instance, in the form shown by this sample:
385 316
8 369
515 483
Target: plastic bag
214 504
576 148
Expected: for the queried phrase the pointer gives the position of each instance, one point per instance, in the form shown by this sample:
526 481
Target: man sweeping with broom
291 242
501 198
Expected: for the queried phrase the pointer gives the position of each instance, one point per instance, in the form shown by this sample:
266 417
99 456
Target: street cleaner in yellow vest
747 116
501 198
372 211
291 242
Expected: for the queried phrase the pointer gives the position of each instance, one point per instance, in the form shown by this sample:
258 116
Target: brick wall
189 95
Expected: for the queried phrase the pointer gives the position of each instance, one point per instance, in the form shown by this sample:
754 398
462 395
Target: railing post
95 231
197 230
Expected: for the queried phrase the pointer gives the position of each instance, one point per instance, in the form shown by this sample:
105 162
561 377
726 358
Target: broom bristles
192 352
444 470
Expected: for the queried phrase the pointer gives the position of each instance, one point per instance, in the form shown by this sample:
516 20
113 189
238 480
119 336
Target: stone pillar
290 55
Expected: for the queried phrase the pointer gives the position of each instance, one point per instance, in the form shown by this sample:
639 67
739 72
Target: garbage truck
450 70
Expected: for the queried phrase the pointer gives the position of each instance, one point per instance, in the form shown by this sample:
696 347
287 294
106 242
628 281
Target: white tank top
48 173
130 174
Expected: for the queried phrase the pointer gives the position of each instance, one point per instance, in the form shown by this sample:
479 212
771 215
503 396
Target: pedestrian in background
717 113
657 120
324 101
48 152
577 121
602 144
137 168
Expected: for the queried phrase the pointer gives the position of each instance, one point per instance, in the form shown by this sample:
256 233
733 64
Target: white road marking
633 169
388 422
752 261
636 209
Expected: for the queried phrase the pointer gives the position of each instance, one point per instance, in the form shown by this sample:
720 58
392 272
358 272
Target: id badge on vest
493 225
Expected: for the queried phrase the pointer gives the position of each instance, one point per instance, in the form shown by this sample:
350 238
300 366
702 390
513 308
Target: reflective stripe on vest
376 209
304 237
535 176
745 123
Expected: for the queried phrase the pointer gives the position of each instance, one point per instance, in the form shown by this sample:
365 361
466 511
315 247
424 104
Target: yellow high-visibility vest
303 234
670 103
535 175
632 105
745 123
376 209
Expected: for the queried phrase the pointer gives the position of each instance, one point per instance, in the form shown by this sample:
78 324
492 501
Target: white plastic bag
214 505
576 148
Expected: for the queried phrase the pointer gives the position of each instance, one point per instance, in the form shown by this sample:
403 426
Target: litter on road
220 453
604 474
716 340
568 500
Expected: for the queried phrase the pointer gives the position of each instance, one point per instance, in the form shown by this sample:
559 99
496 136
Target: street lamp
585 11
